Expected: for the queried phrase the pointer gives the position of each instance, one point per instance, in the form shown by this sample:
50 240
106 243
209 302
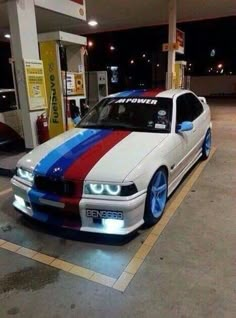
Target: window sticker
162 120
160 126
162 113
150 124
137 101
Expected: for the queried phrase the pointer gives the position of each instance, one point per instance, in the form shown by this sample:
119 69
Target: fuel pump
180 74
65 76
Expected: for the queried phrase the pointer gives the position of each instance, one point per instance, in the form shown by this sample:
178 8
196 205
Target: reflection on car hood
92 154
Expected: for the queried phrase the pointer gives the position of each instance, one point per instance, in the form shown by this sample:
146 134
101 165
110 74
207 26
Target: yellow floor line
134 265
6 191
136 262
58 263
123 281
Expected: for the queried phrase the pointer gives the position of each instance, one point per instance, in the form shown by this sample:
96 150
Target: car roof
156 92
4 90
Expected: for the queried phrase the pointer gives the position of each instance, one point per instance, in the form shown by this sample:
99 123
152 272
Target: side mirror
185 126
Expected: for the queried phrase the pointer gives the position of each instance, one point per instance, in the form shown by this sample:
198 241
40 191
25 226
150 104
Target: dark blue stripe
138 93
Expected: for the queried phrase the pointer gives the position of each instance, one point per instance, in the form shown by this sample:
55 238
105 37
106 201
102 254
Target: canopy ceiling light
92 23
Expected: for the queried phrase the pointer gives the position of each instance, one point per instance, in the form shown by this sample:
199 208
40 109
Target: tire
206 147
156 198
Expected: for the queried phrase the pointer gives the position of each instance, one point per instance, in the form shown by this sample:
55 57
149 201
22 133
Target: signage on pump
180 40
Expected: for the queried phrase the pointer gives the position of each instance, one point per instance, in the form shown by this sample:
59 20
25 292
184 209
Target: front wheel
206 147
156 197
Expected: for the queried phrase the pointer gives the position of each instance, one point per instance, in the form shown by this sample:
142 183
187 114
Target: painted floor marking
6 191
136 262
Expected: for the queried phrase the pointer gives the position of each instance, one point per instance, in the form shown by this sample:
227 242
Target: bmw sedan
116 169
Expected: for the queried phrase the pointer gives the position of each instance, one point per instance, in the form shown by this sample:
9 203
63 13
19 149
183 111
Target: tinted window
184 112
137 114
188 108
7 102
195 105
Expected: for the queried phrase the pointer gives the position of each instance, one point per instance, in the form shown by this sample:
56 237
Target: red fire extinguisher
42 128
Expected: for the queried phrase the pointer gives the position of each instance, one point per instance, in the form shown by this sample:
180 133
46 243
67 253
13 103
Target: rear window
7 102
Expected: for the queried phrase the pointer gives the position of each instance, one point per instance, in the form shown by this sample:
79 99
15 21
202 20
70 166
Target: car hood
91 154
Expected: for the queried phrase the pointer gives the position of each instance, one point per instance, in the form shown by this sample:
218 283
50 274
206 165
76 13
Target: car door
198 133
184 139
181 141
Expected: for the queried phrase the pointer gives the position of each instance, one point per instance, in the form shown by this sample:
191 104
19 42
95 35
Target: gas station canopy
117 15
26 20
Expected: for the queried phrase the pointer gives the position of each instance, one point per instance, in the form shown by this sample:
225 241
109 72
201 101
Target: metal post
172 40
24 45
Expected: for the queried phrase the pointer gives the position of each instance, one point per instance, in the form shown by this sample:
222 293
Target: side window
194 103
183 111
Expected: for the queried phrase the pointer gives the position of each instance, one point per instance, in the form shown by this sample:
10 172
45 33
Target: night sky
201 38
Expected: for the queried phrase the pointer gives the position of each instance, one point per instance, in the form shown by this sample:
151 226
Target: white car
114 172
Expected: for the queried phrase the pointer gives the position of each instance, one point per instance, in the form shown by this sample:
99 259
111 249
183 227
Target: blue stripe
130 93
80 147
58 221
124 94
35 196
138 93
39 216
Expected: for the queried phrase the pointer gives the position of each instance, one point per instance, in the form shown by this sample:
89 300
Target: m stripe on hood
59 151
63 163
55 160
84 164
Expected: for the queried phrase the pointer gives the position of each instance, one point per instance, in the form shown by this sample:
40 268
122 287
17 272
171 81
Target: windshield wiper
94 126
125 127
107 126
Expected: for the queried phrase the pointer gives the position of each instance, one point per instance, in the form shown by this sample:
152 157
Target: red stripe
79 170
79 1
152 92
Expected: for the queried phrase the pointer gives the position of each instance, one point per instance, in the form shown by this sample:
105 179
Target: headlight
24 174
110 189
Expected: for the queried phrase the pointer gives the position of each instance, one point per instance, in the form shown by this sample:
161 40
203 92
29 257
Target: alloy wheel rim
208 144
158 194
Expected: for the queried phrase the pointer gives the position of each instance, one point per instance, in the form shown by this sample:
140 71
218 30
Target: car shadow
69 234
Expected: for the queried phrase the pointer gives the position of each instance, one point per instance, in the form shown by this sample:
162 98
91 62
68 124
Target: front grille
59 187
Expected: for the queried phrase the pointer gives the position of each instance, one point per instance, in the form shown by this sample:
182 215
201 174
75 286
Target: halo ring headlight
26 175
109 189
113 189
97 188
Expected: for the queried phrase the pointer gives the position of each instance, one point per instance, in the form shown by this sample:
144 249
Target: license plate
104 214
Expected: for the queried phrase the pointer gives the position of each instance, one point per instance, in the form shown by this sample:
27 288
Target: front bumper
50 210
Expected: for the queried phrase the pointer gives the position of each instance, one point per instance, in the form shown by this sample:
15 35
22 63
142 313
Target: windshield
136 114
